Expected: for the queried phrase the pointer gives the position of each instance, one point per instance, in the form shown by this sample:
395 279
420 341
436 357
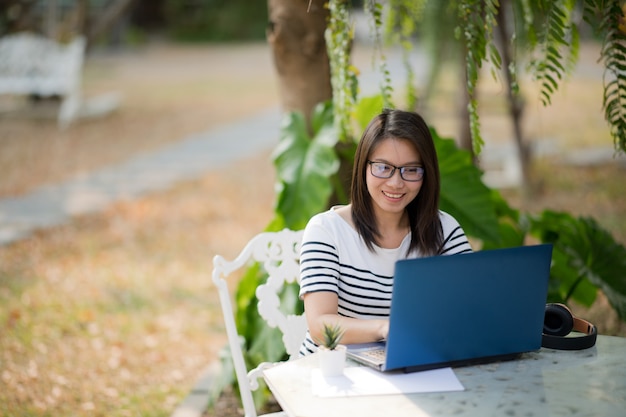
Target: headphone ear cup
558 320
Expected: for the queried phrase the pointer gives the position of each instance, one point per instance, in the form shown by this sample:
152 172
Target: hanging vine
557 34
613 53
374 10
343 76
477 20
401 27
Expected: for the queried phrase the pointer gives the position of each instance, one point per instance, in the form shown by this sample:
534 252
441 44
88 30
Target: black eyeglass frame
393 171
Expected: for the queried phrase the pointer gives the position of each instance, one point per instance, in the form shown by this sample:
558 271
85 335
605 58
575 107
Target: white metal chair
279 253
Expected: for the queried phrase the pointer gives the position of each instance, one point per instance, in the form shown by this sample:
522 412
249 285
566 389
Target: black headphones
559 322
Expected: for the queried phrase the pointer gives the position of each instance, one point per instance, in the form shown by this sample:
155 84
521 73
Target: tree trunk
516 105
110 16
296 36
464 130
81 16
51 26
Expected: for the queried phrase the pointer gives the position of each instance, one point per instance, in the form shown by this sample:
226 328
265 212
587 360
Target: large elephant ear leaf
304 167
463 194
589 253
366 109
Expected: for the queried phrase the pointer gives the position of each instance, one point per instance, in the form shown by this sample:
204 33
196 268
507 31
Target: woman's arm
321 308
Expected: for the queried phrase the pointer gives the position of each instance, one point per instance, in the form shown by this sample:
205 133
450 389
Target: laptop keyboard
377 354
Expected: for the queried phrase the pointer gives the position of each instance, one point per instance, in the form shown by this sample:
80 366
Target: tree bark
109 17
464 129
81 17
516 105
51 24
296 37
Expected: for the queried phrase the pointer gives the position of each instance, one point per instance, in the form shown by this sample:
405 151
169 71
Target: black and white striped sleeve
454 238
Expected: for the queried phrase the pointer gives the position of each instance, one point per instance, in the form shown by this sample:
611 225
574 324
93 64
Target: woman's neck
392 229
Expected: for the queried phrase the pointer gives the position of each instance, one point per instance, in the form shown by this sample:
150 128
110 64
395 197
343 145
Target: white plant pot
332 362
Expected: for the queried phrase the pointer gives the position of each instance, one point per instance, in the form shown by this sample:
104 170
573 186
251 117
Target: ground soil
170 92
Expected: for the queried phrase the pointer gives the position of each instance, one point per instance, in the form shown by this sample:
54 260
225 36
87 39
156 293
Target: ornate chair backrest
279 253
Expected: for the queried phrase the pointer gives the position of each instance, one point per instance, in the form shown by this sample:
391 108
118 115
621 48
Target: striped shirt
334 258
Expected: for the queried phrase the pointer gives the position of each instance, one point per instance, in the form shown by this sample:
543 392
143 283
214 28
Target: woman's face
392 195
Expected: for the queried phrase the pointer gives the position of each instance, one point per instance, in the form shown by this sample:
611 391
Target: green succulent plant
332 335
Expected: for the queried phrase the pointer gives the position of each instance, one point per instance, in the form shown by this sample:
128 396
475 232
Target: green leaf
366 109
511 226
566 282
245 302
494 54
463 194
584 251
304 167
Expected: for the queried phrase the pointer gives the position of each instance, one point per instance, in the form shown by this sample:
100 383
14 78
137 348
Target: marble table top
590 382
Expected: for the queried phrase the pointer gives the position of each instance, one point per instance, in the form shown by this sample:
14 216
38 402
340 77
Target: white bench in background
34 65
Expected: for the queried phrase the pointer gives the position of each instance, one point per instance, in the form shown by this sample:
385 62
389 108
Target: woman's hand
322 308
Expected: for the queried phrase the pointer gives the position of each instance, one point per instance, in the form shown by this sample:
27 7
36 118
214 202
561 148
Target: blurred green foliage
215 20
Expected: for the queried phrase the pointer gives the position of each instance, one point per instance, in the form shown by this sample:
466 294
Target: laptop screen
449 309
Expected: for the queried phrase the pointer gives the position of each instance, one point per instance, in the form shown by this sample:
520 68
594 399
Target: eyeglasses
407 173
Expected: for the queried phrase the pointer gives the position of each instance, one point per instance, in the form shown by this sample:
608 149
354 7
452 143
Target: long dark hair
423 211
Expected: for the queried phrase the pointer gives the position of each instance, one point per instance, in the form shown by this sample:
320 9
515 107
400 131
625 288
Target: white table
548 382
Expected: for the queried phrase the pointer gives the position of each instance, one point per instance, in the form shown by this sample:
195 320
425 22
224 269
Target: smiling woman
349 252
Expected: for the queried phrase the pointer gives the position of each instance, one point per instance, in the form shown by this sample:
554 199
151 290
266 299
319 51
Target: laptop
465 309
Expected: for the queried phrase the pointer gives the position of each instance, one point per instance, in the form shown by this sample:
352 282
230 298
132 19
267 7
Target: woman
348 253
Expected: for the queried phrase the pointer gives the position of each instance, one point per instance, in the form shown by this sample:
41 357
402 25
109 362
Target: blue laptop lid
446 310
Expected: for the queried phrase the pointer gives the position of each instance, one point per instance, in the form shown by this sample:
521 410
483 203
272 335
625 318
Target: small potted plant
332 355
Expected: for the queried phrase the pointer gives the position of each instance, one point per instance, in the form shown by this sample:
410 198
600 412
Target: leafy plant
339 36
477 18
585 259
332 334
549 29
614 57
304 165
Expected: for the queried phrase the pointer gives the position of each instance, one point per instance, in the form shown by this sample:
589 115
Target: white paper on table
360 380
